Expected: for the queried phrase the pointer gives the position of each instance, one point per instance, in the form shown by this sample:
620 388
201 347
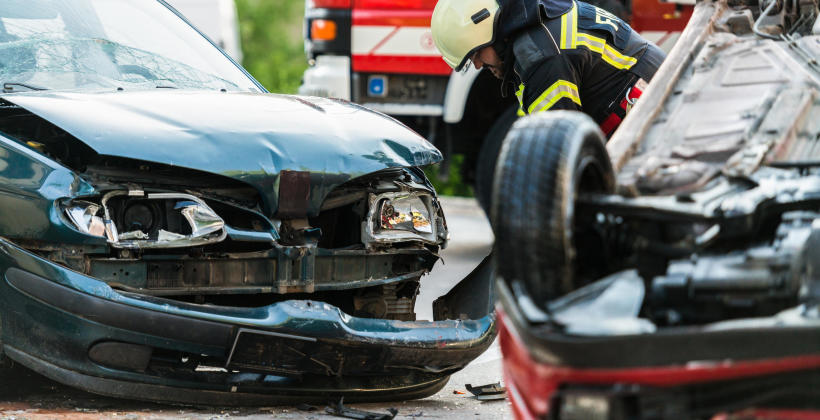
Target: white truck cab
217 19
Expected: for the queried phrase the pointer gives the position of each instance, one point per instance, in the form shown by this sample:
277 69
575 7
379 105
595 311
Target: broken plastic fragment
202 219
111 231
165 236
488 392
84 216
609 306
340 410
134 234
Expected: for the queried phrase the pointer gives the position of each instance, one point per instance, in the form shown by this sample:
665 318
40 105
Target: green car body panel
291 296
251 137
46 321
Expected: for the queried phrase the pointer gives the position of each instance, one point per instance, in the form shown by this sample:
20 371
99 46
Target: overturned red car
673 272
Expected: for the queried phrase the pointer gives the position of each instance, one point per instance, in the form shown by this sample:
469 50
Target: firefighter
554 54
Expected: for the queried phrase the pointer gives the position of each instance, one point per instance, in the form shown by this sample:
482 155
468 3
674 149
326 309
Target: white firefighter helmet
462 27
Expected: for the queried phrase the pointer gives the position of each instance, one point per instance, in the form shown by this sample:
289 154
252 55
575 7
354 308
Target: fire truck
380 54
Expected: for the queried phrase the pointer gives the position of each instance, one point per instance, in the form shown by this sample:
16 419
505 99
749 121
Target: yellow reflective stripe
564 32
554 93
571 39
520 95
608 54
569 28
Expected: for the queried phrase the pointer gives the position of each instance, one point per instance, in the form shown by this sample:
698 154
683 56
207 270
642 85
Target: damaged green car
171 232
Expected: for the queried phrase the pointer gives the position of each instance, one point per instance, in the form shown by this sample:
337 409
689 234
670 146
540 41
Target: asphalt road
26 395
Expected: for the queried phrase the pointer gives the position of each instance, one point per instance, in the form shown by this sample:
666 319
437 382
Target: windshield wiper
10 87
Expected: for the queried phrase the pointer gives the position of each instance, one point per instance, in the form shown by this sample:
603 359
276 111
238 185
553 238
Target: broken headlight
84 216
134 219
401 217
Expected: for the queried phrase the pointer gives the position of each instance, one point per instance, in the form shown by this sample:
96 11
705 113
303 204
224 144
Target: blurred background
272 43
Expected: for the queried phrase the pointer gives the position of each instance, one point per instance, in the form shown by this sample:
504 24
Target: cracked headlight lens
202 219
204 225
401 217
134 219
84 216
404 213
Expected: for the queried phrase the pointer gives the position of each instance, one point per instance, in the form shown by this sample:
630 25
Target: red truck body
394 37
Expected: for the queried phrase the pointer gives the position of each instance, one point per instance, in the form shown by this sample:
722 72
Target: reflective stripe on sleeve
569 28
608 54
554 93
571 38
520 95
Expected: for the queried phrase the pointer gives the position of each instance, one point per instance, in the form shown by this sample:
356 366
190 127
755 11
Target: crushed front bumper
78 331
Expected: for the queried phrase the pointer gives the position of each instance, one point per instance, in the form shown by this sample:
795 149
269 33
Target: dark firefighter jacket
573 55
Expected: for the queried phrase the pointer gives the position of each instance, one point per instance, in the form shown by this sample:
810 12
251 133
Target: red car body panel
531 384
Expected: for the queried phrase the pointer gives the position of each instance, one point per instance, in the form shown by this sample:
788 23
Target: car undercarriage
683 253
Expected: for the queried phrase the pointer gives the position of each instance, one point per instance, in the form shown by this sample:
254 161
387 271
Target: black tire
547 159
488 156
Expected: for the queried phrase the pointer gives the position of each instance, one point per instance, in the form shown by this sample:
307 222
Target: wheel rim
589 177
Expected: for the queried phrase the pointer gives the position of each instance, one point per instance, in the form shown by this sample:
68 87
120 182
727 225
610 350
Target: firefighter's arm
553 84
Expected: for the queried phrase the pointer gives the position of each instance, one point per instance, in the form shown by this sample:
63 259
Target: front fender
30 185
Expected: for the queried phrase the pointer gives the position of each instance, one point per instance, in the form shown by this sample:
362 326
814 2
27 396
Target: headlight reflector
203 219
401 217
404 213
153 220
84 216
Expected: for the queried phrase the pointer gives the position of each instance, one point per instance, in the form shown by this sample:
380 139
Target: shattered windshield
101 44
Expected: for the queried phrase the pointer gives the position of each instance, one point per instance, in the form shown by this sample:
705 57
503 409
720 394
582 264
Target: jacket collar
517 15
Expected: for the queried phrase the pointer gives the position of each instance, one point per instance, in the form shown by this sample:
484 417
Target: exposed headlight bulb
407 213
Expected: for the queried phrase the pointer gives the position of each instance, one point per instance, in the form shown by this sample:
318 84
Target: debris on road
341 411
488 392
306 407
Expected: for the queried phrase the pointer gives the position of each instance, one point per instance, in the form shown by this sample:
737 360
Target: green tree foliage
451 182
272 44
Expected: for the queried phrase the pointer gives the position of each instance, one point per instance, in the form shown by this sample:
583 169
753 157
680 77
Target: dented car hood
251 137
